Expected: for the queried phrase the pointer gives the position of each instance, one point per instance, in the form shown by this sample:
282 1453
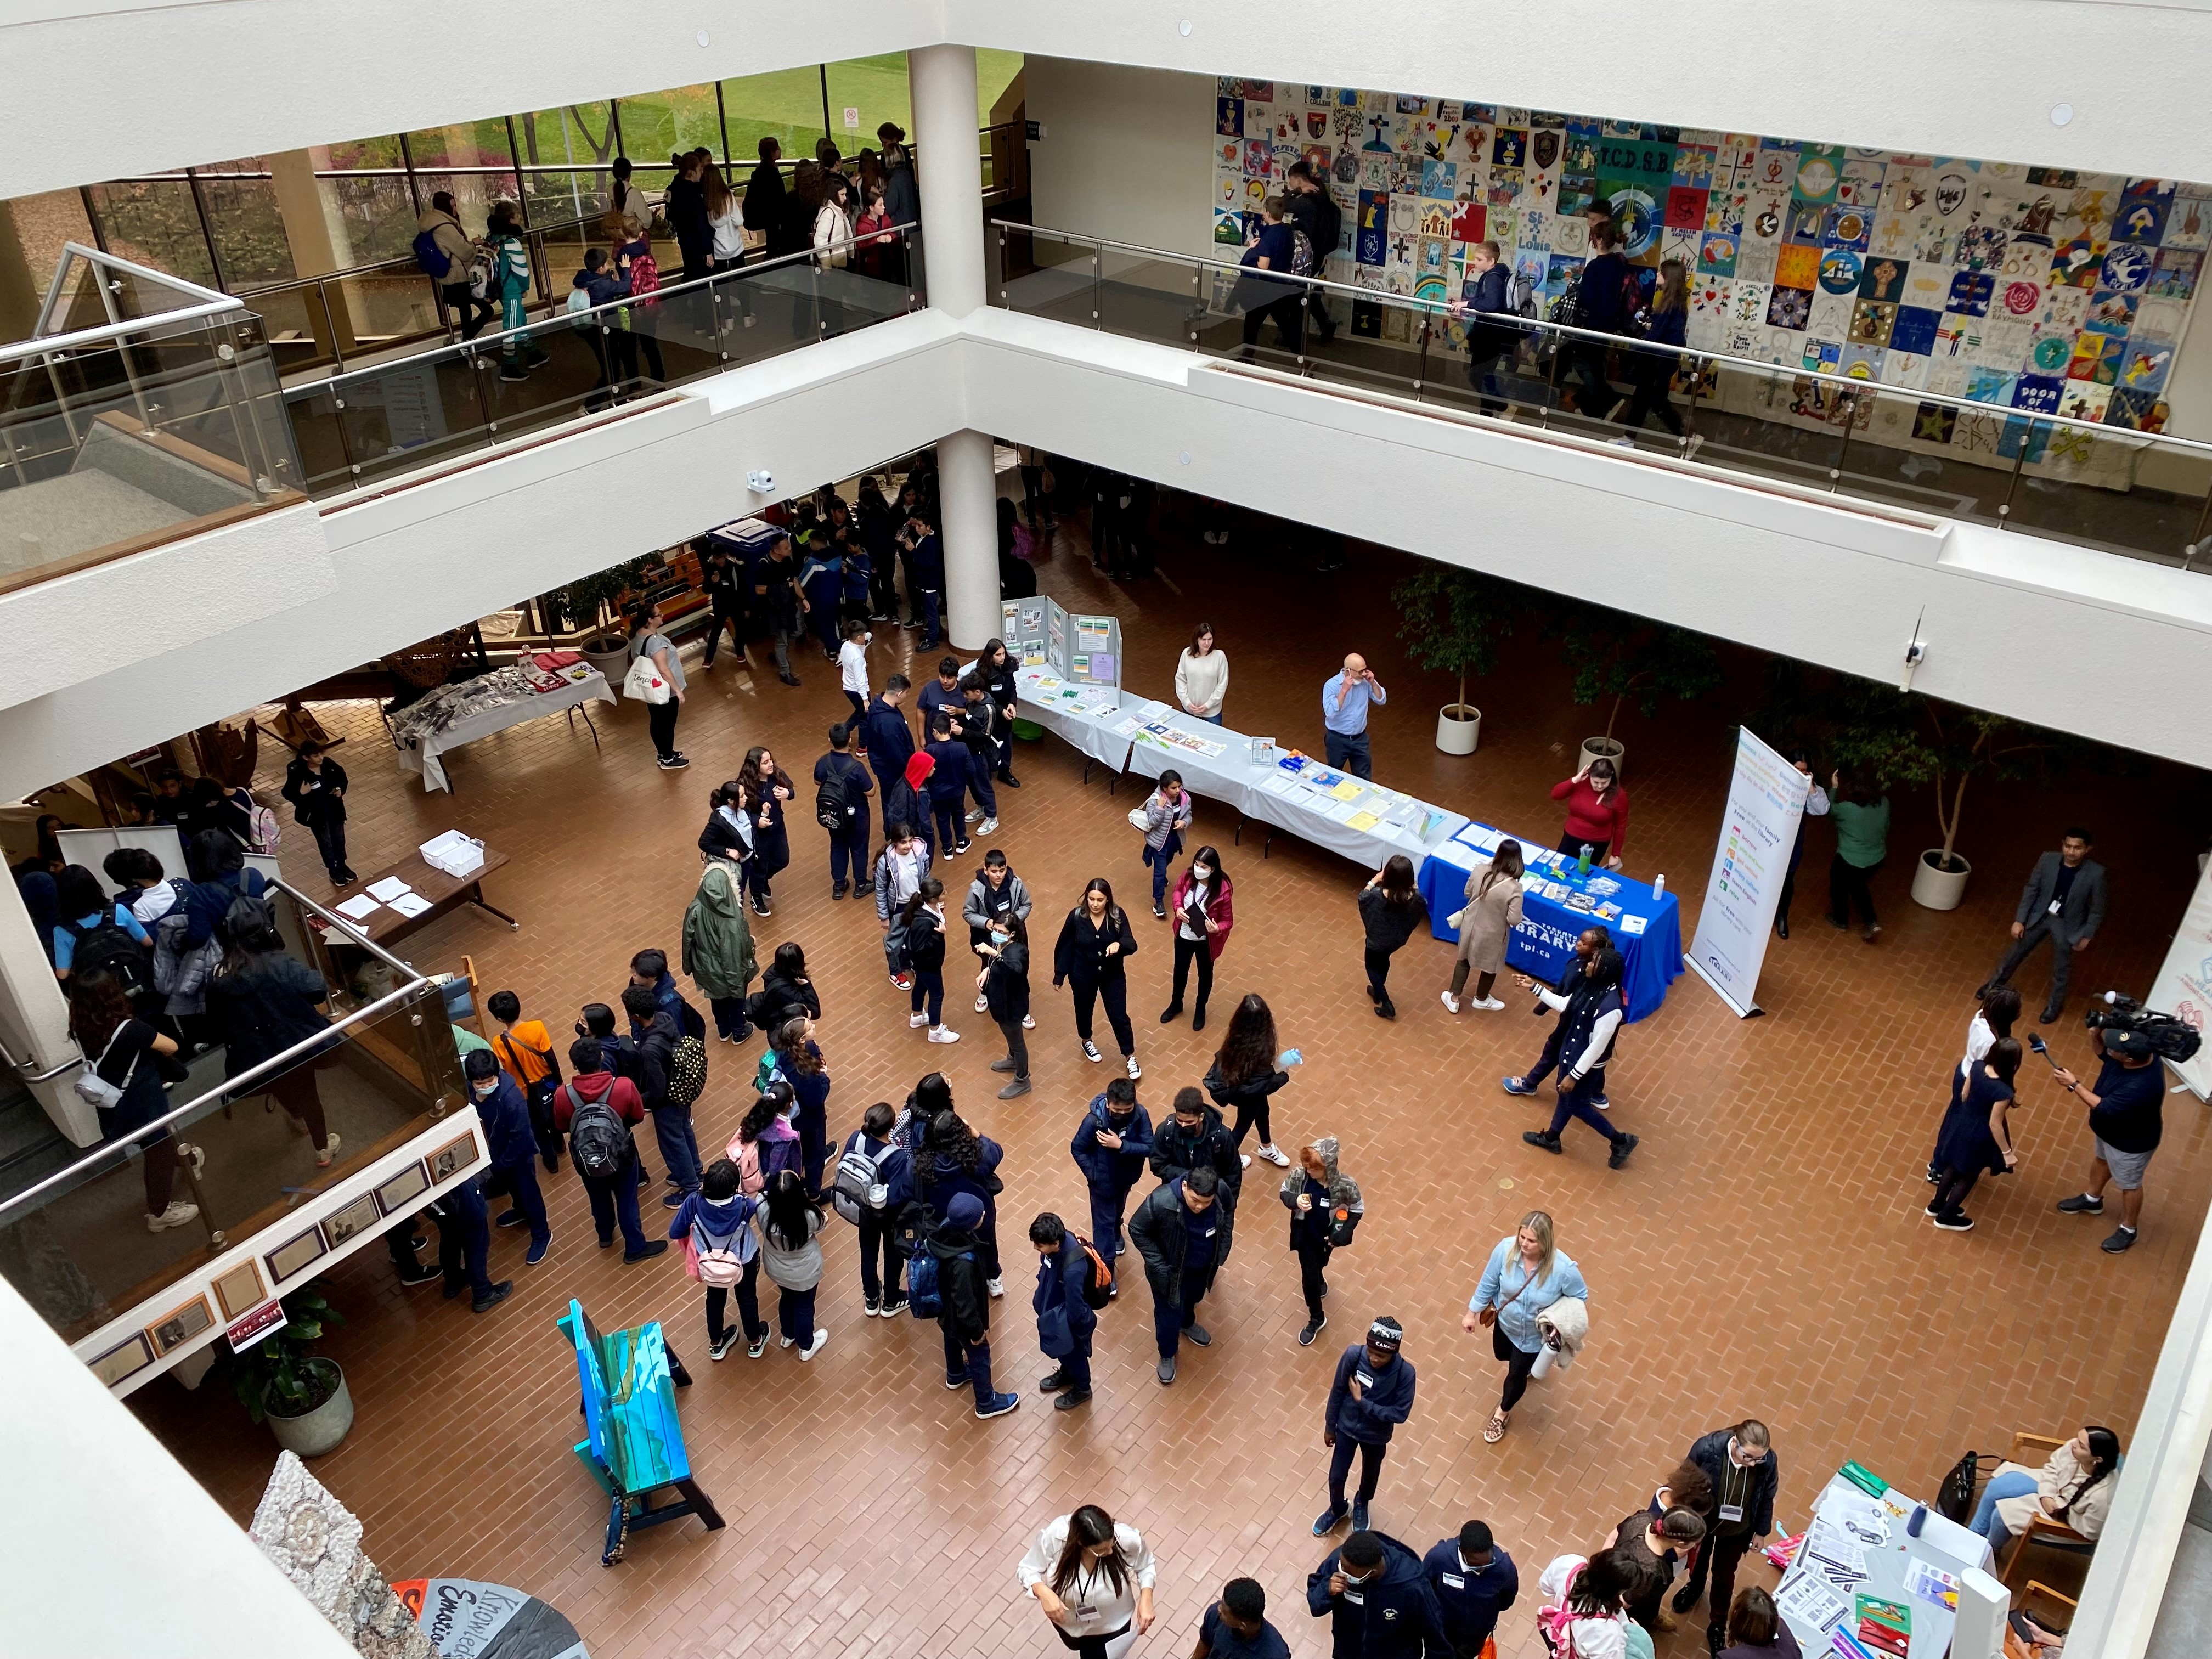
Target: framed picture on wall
401 1191
124 1360
292 1258
175 1329
241 1290
342 1224
450 1159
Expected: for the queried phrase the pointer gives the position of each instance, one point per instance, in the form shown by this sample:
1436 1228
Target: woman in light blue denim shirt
1526 1274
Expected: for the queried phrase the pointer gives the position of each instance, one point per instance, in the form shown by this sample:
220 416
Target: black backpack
597 1139
833 801
107 947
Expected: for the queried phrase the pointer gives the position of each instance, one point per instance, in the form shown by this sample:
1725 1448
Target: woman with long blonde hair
1651 365
1527 1273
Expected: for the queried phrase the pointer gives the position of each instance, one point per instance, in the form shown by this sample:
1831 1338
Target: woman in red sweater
1597 812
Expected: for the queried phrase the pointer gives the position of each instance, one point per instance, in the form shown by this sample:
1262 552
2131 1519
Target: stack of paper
358 907
388 890
410 904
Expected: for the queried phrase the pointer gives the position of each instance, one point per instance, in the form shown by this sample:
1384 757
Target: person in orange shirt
524 1048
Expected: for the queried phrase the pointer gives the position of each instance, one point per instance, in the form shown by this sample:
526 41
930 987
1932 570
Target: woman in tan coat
1494 910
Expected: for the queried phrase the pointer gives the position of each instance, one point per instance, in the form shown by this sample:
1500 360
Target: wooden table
387 927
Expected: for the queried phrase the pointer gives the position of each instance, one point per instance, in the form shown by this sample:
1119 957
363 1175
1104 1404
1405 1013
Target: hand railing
2144 494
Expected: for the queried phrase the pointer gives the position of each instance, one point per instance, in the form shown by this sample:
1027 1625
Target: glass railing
357 429
2144 494
77 1244
116 438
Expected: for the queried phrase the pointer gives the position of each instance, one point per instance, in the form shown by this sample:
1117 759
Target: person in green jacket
510 286
717 950
1861 815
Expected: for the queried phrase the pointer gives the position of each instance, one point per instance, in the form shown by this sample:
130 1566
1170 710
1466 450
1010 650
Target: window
577 141
784 105
662 123
43 224
153 221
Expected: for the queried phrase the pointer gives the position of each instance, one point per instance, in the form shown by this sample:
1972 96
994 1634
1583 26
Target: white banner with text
1766 800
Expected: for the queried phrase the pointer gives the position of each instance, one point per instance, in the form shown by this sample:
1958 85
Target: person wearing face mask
1203 916
1183 1231
513 1145
1375 1595
1004 986
1110 1146
1370 1395
1741 1463
995 894
1474 1582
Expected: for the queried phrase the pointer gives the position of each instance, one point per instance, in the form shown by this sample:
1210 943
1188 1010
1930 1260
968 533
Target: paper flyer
388 890
1362 821
1807 1598
1347 790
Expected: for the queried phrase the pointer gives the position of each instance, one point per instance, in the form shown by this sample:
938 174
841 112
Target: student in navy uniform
778 602
724 578
1064 1318
1237 1627
1370 1395
953 775
965 1319
1474 1582
513 1144
1590 1018
886 737
1262 297
943 692
1194 1137
925 571
848 848
1183 1230
1588 943
1110 1146
881 1292
1375 1595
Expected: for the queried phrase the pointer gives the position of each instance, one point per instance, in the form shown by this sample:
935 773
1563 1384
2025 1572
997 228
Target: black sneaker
721 1350
788 679
964 846
1959 1222
419 1275
896 1305
1054 1383
760 906
1312 1330
1010 779
512 1218
1621 1149
653 1247
1687 1597
837 891
1071 1398
1537 1138
2122 1238
491 1299
671 762
2080 1204
1160 912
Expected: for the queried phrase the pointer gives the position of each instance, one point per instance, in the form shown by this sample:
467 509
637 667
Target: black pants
1290 315
1339 1465
1187 950
1788 892
471 313
1517 1367
1090 1647
1583 363
1482 375
1847 884
1652 373
2062 959
1313 1264
1250 1113
660 720
929 990
729 615
718 1301
1378 975
330 841
1573 848
1951 1191
1717 1557
951 820
1115 991
879 1238
1017 1049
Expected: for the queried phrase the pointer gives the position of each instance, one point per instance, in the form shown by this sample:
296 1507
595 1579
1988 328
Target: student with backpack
722 1252
597 1110
126 1066
444 252
641 313
524 1048
94 935
787 1223
870 1168
654 1038
1603 307
1073 1282
765 1144
1582 1614
507 281
1110 1146
797 1060
947 1284
316 786
1307 206
1274 249
842 788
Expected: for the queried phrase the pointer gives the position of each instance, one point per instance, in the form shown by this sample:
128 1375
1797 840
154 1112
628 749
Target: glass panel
2114 492
864 94
371 216
1772 422
249 231
473 194
1047 276
1149 298
153 222
464 144
578 141
766 310
42 224
317 427
995 72
658 123
409 414
567 199
784 105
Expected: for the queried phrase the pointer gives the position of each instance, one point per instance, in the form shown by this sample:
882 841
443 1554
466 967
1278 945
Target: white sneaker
913 1020
1491 1006
176 1215
1245 1159
982 1005
783 1341
1028 1023
988 827
1697 443
1276 1156
1134 1073
1450 1001
998 1286
943 1034
815 1346
976 812
1091 1050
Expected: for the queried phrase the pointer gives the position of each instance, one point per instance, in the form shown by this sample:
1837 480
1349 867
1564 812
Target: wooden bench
632 1443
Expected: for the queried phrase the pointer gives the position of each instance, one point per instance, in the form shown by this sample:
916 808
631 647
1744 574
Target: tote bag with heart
644 682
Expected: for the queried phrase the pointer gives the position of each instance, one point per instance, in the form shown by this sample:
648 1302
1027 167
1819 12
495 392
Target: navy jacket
947 1180
956 769
1059 1284
1391 1616
508 1134
1386 1397
1472 1604
1102 1166
1753 1488
1603 297
926 563
888 738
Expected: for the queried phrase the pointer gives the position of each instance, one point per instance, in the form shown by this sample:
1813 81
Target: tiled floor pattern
1764 1252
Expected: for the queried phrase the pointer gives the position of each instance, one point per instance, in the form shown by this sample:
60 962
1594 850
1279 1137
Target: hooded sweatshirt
888 740
1388 1616
1386 1396
727 1223
1342 1192
1177 1152
1103 1166
718 941
967 1303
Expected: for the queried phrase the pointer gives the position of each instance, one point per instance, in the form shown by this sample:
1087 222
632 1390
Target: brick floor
1763 1253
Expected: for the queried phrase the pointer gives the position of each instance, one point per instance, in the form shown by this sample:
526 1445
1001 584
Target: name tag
1210 1232
1363 1379
1453 1581
2054 907
1355 1598
1731 1511
1086 1615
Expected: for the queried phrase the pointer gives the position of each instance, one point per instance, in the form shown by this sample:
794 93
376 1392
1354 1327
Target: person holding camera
2124 1125
2063 901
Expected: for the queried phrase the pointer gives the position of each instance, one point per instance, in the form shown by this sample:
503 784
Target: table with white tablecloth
1861 1545
421 753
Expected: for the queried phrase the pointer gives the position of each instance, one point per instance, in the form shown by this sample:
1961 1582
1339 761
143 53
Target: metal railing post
2012 482
1850 403
1421 362
1002 267
1097 281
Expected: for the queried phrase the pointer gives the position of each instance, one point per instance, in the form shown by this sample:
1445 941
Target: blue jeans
1161 858
680 1146
521 1181
1575 1103
1169 1324
615 1198
1985 1521
971 1360
794 1316
1348 752
929 604
1211 720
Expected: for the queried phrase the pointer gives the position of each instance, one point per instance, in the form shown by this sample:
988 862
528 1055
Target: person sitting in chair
2074 1489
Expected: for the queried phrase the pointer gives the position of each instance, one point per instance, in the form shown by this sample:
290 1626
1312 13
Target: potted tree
301 1394
1616 655
1452 622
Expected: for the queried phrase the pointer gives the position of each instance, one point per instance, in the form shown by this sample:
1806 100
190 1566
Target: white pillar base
967 489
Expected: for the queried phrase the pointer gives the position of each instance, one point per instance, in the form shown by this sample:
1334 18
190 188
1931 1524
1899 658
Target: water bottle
1582 861
1659 885
1291 1057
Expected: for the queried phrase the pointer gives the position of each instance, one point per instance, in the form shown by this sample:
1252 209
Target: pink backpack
1556 1625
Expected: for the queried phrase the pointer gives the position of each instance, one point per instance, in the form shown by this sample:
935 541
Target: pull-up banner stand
1766 800
2184 986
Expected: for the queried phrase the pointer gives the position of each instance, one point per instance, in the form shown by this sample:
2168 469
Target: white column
34 1017
968 487
942 80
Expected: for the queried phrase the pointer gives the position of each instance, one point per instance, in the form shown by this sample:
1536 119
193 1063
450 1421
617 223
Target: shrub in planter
280 1375
1452 621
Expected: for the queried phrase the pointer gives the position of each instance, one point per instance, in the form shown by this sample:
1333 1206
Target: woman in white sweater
1202 676
1094 1580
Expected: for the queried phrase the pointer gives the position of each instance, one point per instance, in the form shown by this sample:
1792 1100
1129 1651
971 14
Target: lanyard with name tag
1731 1513
1355 1598
1454 1581
1363 1379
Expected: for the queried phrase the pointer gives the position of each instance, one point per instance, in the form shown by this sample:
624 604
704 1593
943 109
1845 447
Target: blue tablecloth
1544 943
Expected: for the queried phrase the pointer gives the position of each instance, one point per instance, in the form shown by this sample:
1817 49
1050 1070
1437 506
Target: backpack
718 1265
484 268
432 257
107 947
860 1177
1302 254
687 1072
833 802
644 274
770 1069
597 1139
98 1090
263 832
1520 294
688 1020
925 1293
1098 1283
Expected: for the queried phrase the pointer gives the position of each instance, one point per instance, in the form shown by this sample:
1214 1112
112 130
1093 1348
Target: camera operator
2123 1122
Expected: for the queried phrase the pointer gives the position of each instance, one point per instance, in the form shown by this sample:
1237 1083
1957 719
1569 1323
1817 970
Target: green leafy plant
281 1372
1612 654
578 604
1453 620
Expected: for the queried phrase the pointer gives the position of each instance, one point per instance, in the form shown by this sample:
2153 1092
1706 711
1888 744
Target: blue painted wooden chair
632 1443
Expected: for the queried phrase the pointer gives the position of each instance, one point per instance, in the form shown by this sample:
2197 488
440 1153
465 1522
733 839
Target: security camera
761 484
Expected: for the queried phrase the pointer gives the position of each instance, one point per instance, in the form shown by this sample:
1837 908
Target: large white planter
1937 888
319 1431
1610 749
612 664
1459 724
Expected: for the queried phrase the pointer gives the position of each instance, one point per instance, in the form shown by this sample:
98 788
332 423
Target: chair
632 1443
2033 1451
2053 1611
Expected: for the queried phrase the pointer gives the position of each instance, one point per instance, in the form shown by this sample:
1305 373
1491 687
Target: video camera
2169 1038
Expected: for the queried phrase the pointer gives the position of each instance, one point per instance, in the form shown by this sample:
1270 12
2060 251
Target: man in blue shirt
1344 701
1474 1582
2125 1126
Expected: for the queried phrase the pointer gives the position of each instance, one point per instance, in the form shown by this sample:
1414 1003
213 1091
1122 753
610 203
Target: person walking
717 950
647 639
1202 676
1203 916
1306 204
1370 1393
1976 1136
873 1181
724 578
996 894
1374 1592
596 1111
791 1257
763 788
1274 249
1093 1578
1740 1462
1346 698
264 1001
842 788
1525 1275
1245 1075
1590 1018
1183 1231
1474 1581
2064 902
1390 908
1602 306
1861 816
1597 813
728 834
923 919
512 1147
316 786
1065 1317
1193 1136
447 260
1166 814
1997 1009
131 1058
1491 336
2125 1125
1110 1146
964 1303
1093 949
722 1252
1654 361
1325 1208
509 284
1816 806
778 602
1004 988
1485 921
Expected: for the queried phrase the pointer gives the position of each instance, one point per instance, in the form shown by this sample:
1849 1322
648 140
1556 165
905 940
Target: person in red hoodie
594 1090
1597 813
905 803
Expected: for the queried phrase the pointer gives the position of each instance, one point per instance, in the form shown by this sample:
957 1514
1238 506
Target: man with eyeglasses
1742 1465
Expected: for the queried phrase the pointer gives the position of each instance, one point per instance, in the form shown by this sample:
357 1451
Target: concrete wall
1127 153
